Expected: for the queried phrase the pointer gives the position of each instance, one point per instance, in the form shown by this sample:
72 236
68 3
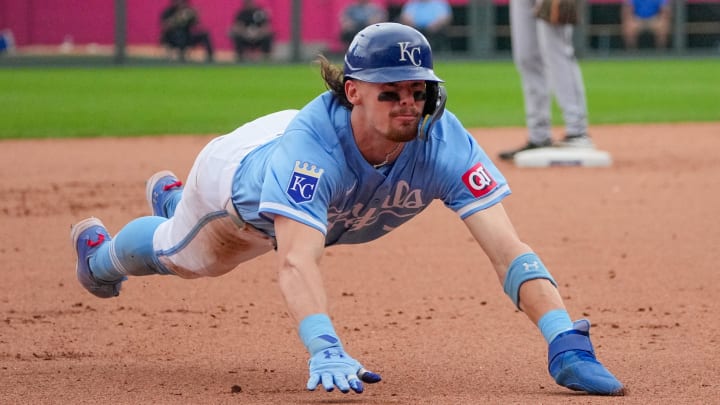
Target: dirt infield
634 248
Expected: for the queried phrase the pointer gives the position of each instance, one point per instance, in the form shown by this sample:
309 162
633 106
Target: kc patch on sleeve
303 182
478 180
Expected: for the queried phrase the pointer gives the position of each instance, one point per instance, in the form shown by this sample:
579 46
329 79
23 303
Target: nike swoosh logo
347 193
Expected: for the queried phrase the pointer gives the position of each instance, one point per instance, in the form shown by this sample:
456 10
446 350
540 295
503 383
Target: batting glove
572 363
333 367
329 364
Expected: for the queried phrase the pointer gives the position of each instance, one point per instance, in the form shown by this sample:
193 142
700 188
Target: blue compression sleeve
317 333
525 267
553 323
130 252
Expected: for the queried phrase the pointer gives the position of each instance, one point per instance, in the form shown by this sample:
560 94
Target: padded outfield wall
50 22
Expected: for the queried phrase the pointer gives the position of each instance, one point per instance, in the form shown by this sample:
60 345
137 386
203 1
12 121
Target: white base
562 156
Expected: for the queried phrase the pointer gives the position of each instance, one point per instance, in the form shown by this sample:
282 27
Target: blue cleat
87 236
159 188
572 363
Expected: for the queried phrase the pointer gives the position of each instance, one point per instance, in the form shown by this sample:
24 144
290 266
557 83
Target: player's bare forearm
303 292
496 235
299 275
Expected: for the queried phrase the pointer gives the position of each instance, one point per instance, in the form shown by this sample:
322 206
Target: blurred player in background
545 57
355 163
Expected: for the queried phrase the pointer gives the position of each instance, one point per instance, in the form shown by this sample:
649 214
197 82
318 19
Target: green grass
619 91
149 100
81 102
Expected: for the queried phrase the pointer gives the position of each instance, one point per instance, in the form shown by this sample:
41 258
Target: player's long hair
334 80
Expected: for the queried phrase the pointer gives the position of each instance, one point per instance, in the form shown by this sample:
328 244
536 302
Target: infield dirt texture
634 248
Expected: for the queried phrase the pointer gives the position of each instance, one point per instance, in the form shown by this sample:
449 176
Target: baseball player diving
355 163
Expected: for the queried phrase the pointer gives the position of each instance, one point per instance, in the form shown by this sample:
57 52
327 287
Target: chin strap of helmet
434 108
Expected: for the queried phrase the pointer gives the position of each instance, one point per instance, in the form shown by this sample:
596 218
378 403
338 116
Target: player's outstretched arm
300 248
526 280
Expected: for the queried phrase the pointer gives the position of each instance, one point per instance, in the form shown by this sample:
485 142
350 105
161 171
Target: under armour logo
534 265
410 53
330 353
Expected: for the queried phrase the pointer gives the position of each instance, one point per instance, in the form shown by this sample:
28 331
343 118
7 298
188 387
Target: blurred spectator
252 31
431 17
358 15
179 22
646 15
7 42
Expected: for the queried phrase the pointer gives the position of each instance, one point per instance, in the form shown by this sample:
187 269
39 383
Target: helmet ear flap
434 107
431 97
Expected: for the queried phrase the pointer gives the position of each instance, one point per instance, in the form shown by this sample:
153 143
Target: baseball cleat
158 188
572 363
510 154
575 141
87 237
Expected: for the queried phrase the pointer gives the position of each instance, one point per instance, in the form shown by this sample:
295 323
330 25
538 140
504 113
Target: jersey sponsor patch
478 180
303 181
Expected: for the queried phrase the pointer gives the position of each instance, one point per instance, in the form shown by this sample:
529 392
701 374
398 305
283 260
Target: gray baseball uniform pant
545 57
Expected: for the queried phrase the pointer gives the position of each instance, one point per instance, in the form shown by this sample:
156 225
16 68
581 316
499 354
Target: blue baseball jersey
315 174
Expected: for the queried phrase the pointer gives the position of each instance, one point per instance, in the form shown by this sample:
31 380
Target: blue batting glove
329 364
333 367
572 363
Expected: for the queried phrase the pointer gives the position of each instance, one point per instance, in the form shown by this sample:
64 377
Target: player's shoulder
323 119
449 129
451 144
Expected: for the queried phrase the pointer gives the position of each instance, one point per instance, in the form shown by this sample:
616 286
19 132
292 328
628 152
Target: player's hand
333 367
572 363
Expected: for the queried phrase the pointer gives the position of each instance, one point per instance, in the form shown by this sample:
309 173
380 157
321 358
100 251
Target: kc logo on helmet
478 180
409 53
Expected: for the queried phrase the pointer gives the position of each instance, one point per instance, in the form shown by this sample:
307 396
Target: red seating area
50 22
